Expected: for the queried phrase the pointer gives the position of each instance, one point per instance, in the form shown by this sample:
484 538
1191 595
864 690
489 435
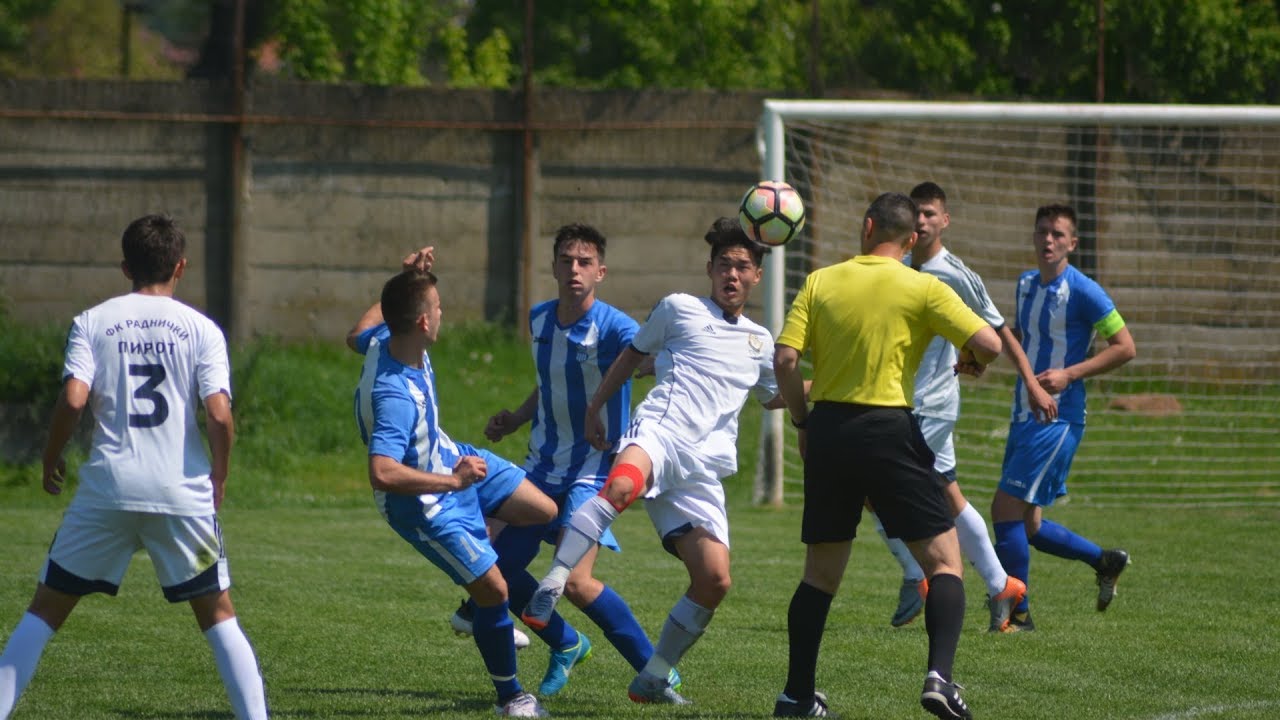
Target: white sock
686 622
239 669
975 543
910 568
21 655
586 526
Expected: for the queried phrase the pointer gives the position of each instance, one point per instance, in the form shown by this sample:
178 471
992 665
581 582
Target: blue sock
516 548
620 627
491 628
1015 555
1057 540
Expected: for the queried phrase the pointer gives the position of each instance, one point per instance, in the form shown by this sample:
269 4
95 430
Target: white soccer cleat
523 705
461 624
542 605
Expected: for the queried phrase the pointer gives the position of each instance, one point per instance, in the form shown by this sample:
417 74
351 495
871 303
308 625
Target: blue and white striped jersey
571 361
398 415
937 388
1057 324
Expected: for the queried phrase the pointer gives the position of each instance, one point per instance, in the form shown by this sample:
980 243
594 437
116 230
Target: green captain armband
1110 324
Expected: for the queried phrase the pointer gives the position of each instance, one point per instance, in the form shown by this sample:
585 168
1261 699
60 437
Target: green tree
15 21
379 42
77 38
716 44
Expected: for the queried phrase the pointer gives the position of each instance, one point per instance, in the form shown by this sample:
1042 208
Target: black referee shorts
864 452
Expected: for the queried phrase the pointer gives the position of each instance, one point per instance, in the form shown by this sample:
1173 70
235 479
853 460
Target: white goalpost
1179 210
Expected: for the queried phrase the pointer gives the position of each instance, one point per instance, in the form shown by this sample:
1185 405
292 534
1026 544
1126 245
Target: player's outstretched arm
619 372
1043 406
392 476
1120 349
506 421
220 426
66 414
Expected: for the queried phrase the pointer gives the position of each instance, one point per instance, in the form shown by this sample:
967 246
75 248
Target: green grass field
349 622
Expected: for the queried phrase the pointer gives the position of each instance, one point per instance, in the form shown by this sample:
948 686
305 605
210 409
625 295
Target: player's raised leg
628 479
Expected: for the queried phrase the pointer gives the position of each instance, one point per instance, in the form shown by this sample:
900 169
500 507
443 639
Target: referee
866 323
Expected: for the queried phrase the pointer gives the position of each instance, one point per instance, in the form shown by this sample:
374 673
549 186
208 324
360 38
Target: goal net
1179 219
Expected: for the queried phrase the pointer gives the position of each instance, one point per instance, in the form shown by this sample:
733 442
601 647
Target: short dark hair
152 246
893 217
580 232
727 233
404 299
928 190
1057 210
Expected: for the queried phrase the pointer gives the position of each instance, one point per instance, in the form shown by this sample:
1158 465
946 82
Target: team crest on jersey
756 344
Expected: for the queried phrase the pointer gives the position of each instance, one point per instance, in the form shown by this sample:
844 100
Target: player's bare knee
581 591
625 485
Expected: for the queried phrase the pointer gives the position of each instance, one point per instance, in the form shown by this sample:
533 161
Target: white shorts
93 547
686 492
937 433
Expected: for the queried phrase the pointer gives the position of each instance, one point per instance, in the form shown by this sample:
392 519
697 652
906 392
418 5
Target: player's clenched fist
470 470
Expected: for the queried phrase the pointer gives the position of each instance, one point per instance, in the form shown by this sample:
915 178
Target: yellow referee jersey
867 322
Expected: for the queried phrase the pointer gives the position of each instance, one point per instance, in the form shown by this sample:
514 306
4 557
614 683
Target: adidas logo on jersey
709 329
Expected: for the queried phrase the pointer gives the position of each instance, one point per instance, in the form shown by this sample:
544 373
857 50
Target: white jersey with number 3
148 361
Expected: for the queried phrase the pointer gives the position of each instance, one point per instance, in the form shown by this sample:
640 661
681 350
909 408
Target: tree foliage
725 44
77 38
1200 51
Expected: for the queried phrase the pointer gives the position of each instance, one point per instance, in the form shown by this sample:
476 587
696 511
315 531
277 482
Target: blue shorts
1037 458
569 497
451 534
501 481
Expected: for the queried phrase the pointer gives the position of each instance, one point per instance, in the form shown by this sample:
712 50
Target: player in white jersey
576 337
432 491
681 443
936 405
142 362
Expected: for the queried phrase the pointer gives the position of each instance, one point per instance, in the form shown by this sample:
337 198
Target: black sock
943 619
806 621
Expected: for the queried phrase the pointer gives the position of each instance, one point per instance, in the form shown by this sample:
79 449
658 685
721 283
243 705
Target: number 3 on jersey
154 374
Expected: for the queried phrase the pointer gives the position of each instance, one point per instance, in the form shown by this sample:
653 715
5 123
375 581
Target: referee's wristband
800 424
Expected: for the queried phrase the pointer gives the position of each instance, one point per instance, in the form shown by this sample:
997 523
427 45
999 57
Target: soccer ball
771 213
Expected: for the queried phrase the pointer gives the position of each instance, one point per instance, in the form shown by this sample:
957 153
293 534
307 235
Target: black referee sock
943 619
806 620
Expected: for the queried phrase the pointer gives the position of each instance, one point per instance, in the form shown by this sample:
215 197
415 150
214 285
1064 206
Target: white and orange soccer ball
771 213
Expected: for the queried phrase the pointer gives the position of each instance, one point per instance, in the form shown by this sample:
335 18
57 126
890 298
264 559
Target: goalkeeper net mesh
1178 220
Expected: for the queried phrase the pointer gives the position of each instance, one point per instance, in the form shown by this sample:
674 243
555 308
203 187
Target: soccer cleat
562 663
523 705
658 691
461 624
1109 567
537 612
1002 605
910 601
787 707
1020 622
943 699
674 679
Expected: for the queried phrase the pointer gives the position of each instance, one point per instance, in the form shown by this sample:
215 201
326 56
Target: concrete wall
332 202
341 181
